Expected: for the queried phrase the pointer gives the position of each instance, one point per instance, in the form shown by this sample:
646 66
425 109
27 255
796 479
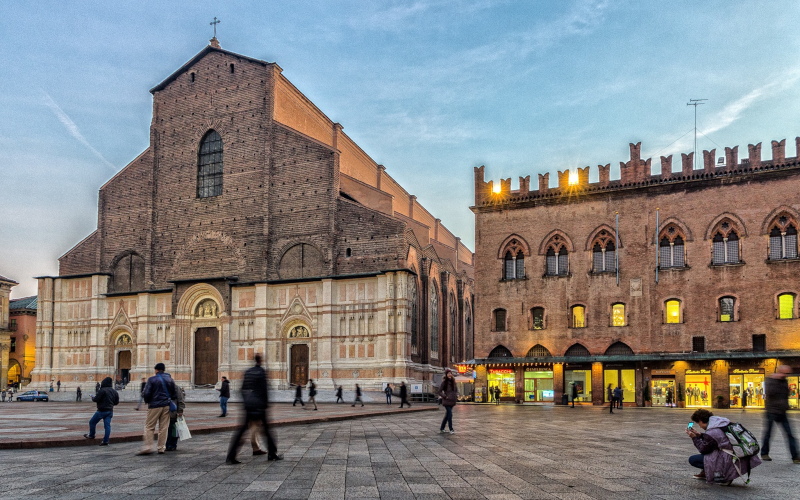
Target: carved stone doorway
206 356
124 366
299 367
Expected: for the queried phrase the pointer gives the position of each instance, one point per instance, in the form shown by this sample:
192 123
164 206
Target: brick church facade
680 286
253 223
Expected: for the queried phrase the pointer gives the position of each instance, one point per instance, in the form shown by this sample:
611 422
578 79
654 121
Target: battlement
635 173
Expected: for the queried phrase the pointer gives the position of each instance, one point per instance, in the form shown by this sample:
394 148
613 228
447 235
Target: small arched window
783 239
434 306
618 315
727 309
604 253
578 317
537 318
671 252
786 306
209 166
500 352
672 311
725 245
499 320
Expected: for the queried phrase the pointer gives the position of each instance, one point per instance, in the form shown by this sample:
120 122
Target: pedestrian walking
141 393
58 384
78 394
312 393
776 393
172 433
497 395
669 397
254 393
339 395
745 394
404 395
51 387
3 396
105 399
388 392
224 395
298 395
449 395
159 394
10 395
618 397
358 396
574 393
610 397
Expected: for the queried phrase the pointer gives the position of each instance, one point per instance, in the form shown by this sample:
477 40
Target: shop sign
698 372
461 368
663 372
749 370
501 370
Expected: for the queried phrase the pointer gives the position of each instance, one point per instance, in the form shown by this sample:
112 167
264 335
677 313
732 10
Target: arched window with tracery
671 250
453 327
209 165
604 253
412 297
434 316
467 330
514 260
725 244
557 257
783 238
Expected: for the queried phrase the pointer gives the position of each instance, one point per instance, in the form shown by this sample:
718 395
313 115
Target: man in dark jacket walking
339 395
254 393
404 395
224 395
776 392
358 396
105 399
159 394
312 393
298 395
78 394
574 393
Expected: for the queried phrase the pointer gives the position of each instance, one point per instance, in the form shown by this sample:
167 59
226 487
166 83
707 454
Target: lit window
578 317
537 318
618 315
673 311
726 307
785 306
209 166
500 320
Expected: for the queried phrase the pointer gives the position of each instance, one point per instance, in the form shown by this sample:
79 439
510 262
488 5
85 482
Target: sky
428 88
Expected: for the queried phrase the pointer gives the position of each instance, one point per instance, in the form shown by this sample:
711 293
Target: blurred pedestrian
404 394
449 395
254 393
610 398
497 395
78 394
574 393
105 399
160 396
224 395
388 392
58 384
3 396
141 393
618 397
776 393
358 396
312 393
172 433
339 395
298 395
96 387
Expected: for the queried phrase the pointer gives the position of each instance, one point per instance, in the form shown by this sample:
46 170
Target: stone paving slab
505 452
28 425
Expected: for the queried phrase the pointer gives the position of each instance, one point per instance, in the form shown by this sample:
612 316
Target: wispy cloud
73 129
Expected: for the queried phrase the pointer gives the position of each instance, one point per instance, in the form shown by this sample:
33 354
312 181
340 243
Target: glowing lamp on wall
496 188
573 177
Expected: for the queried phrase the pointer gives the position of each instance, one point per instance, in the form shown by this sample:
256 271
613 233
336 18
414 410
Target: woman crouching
717 465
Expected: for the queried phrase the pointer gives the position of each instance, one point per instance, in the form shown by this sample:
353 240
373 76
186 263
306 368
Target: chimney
778 151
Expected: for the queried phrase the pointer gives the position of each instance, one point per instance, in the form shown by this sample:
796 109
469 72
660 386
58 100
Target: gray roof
23 303
9 280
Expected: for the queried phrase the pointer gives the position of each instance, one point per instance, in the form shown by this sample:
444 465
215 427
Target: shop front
622 377
747 388
579 375
539 385
794 397
662 388
505 380
697 393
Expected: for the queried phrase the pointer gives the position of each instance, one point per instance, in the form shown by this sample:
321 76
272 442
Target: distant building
6 285
22 323
693 293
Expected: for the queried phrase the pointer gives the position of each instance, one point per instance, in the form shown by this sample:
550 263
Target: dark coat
574 391
717 464
403 391
448 392
254 390
154 394
106 398
776 393
312 390
298 392
225 390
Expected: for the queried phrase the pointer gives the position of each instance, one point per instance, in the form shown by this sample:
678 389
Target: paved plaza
502 452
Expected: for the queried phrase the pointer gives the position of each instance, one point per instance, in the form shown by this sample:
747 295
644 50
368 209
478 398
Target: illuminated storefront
581 376
747 388
505 379
625 379
539 386
794 397
662 388
697 393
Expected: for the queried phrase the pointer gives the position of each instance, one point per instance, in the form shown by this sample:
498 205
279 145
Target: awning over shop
678 356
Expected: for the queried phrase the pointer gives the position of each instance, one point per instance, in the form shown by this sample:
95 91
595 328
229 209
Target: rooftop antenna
695 103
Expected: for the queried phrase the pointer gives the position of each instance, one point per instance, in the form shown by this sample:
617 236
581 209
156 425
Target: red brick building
253 223
22 346
678 285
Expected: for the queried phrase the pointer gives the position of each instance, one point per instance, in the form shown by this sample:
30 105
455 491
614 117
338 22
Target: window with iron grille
783 243
209 166
563 262
537 318
520 270
509 267
671 252
500 352
538 351
760 343
726 309
698 344
552 262
499 320
604 258
725 248
577 350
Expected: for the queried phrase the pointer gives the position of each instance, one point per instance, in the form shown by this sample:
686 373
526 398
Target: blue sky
430 89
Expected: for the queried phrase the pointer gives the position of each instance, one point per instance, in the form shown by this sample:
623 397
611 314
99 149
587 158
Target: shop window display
747 390
794 398
698 390
583 379
663 392
625 380
539 386
503 378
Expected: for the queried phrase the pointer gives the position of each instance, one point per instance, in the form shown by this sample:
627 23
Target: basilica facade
253 224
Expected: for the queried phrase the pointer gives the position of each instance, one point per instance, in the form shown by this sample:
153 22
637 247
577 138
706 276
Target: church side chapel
253 224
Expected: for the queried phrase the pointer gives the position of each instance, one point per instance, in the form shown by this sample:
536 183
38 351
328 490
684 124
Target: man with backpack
159 394
776 392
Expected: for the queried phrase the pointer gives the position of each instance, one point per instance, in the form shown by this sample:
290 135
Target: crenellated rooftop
635 173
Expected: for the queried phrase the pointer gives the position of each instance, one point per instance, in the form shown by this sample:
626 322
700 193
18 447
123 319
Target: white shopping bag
183 429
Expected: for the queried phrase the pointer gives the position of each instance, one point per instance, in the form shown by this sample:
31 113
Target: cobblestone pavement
500 452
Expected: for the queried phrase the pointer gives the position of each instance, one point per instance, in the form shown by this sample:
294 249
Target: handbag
172 405
183 429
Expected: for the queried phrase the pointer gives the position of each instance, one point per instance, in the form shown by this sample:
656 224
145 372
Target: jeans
388 398
784 421
448 418
223 403
696 461
105 416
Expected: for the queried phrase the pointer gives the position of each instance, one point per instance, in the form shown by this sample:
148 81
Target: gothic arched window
434 307
453 327
725 244
209 166
783 239
412 297
604 253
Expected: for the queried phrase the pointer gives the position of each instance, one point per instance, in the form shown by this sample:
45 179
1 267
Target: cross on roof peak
214 41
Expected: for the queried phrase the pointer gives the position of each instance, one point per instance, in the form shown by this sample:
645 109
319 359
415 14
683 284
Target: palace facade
679 287
253 223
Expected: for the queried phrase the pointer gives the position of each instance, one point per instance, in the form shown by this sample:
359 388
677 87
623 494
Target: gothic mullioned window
604 253
209 166
671 251
514 259
783 238
725 245
557 258
434 307
453 327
